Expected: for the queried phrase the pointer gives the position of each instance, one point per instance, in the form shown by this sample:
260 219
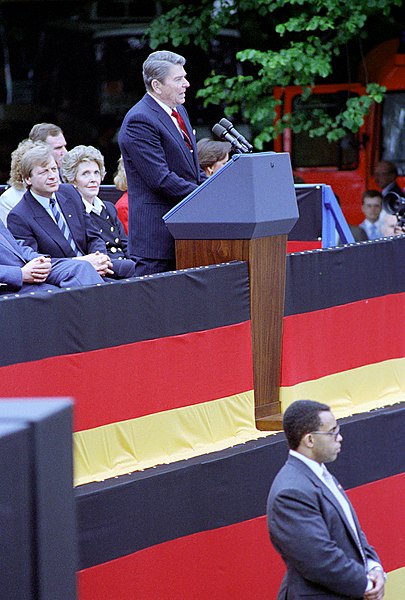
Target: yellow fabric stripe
162 438
353 391
395 585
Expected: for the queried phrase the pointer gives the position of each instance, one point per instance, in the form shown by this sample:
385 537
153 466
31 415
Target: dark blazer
112 232
28 221
309 529
160 171
14 255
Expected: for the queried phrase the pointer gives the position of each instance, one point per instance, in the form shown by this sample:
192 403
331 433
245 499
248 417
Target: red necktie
182 126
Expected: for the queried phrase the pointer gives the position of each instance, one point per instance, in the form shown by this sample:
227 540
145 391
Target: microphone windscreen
225 123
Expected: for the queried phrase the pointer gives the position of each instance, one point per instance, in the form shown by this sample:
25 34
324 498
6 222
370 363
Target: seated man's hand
100 262
36 270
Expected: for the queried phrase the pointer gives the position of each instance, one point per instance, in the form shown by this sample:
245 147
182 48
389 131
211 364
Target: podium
244 212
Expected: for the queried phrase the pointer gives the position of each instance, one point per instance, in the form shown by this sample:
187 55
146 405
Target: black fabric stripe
319 279
123 312
129 513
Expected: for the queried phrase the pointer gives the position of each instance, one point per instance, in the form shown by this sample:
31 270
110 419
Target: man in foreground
160 157
23 270
311 521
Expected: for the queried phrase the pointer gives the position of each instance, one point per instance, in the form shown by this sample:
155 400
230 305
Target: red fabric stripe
343 337
229 563
125 382
380 508
238 561
293 246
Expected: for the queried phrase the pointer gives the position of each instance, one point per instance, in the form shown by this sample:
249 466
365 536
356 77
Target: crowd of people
54 227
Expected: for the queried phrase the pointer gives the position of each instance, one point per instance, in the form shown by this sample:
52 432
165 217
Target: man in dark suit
385 174
23 270
311 521
160 157
52 220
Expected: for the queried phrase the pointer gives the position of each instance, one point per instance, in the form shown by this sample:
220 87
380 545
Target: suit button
117 240
113 249
112 228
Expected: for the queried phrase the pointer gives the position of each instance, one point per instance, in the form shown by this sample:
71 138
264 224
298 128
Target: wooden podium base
266 258
272 423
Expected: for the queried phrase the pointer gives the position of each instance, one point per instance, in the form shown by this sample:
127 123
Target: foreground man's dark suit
160 171
310 531
65 273
28 221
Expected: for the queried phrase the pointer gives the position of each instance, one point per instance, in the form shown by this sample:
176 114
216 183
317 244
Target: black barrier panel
16 540
132 512
309 224
123 312
321 279
51 523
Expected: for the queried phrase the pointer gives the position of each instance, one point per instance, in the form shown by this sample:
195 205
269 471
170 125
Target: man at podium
160 157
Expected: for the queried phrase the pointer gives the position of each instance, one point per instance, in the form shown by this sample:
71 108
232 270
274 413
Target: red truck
348 165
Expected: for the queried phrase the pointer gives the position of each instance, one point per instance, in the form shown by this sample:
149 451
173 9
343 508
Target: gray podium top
251 196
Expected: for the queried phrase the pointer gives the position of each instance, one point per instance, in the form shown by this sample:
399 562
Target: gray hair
157 66
38 156
71 161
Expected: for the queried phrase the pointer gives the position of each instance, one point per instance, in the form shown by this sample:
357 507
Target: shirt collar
312 464
162 104
43 200
96 207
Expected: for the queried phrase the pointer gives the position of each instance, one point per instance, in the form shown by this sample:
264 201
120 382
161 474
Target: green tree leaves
305 35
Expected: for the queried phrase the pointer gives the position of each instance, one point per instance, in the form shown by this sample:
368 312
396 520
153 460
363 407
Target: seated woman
120 182
83 166
212 155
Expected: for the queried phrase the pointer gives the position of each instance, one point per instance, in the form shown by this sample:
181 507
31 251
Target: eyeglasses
334 433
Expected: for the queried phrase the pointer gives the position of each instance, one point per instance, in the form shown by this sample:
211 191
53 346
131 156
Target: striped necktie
61 223
183 128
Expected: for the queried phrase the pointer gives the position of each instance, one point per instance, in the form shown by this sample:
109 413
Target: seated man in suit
51 219
311 521
23 270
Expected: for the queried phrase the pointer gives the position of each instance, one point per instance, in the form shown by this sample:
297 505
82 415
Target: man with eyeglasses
311 521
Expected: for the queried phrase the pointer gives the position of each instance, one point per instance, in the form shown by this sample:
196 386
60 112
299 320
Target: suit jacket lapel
167 122
330 496
49 226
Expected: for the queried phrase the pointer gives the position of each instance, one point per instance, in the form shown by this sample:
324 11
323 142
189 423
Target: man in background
53 136
311 522
371 208
160 157
386 174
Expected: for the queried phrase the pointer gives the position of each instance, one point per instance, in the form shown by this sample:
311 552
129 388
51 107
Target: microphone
231 129
222 133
